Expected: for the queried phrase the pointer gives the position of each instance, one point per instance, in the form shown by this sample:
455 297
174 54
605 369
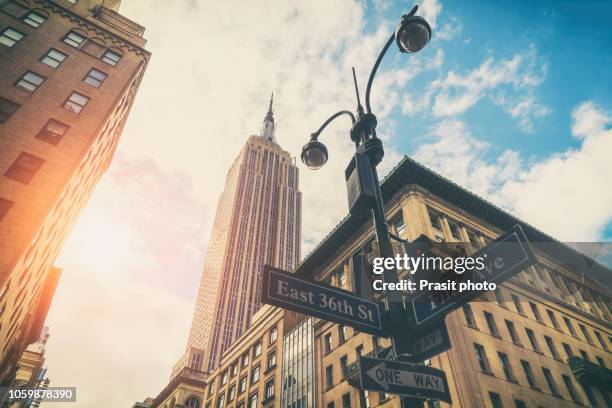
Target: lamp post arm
316 134
374 69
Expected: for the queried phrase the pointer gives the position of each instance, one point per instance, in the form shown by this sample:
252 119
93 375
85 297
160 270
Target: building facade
530 343
542 339
70 73
257 223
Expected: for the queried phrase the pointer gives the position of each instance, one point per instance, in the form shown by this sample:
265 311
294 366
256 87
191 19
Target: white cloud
430 10
563 194
457 93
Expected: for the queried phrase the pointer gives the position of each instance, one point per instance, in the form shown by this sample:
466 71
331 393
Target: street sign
283 289
403 379
505 257
428 340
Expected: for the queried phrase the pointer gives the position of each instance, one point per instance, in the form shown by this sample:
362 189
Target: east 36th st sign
283 289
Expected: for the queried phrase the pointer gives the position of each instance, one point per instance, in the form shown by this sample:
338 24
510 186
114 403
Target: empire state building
257 223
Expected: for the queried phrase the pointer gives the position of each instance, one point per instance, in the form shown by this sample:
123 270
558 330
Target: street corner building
70 73
542 339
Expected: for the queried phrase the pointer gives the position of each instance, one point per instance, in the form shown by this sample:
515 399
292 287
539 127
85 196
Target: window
473 238
552 318
341 278
589 392
536 311
328 343
436 221
568 350
24 168
33 19
7 108
600 361
221 401
585 333
517 304
255 374
481 357
76 102
211 387
245 359
111 57
192 402
469 316
399 225
366 397
584 355
532 340
499 298
234 369
569 325
231 393
329 376
550 381
512 332
346 400
330 404
376 342
74 39
13 8
455 232
529 374
495 400
242 385
273 335
271 359
342 333
5 206
344 366
224 377
53 131
519 404
358 350
491 323
30 81
269 389
94 78
601 340
257 349
10 37
570 388
551 347
53 58
252 401
505 363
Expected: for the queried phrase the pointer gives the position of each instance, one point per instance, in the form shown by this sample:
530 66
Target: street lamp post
412 34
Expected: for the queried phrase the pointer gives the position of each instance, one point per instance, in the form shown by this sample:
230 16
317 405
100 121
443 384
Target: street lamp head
413 34
314 154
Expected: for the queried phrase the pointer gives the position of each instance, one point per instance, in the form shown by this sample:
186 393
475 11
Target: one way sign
404 379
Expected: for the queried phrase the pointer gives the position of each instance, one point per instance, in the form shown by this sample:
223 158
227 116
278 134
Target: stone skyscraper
257 223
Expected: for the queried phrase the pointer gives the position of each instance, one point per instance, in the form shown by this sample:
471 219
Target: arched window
192 402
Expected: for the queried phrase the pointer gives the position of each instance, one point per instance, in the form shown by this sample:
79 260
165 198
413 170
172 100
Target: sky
510 100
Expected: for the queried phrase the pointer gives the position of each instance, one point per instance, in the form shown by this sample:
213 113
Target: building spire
268 127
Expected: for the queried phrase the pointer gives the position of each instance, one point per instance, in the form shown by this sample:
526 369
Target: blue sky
573 39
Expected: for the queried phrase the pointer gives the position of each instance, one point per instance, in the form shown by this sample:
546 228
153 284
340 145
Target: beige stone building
70 73
257 223
541 340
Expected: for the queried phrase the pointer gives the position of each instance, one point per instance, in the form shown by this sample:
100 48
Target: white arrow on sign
385 376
